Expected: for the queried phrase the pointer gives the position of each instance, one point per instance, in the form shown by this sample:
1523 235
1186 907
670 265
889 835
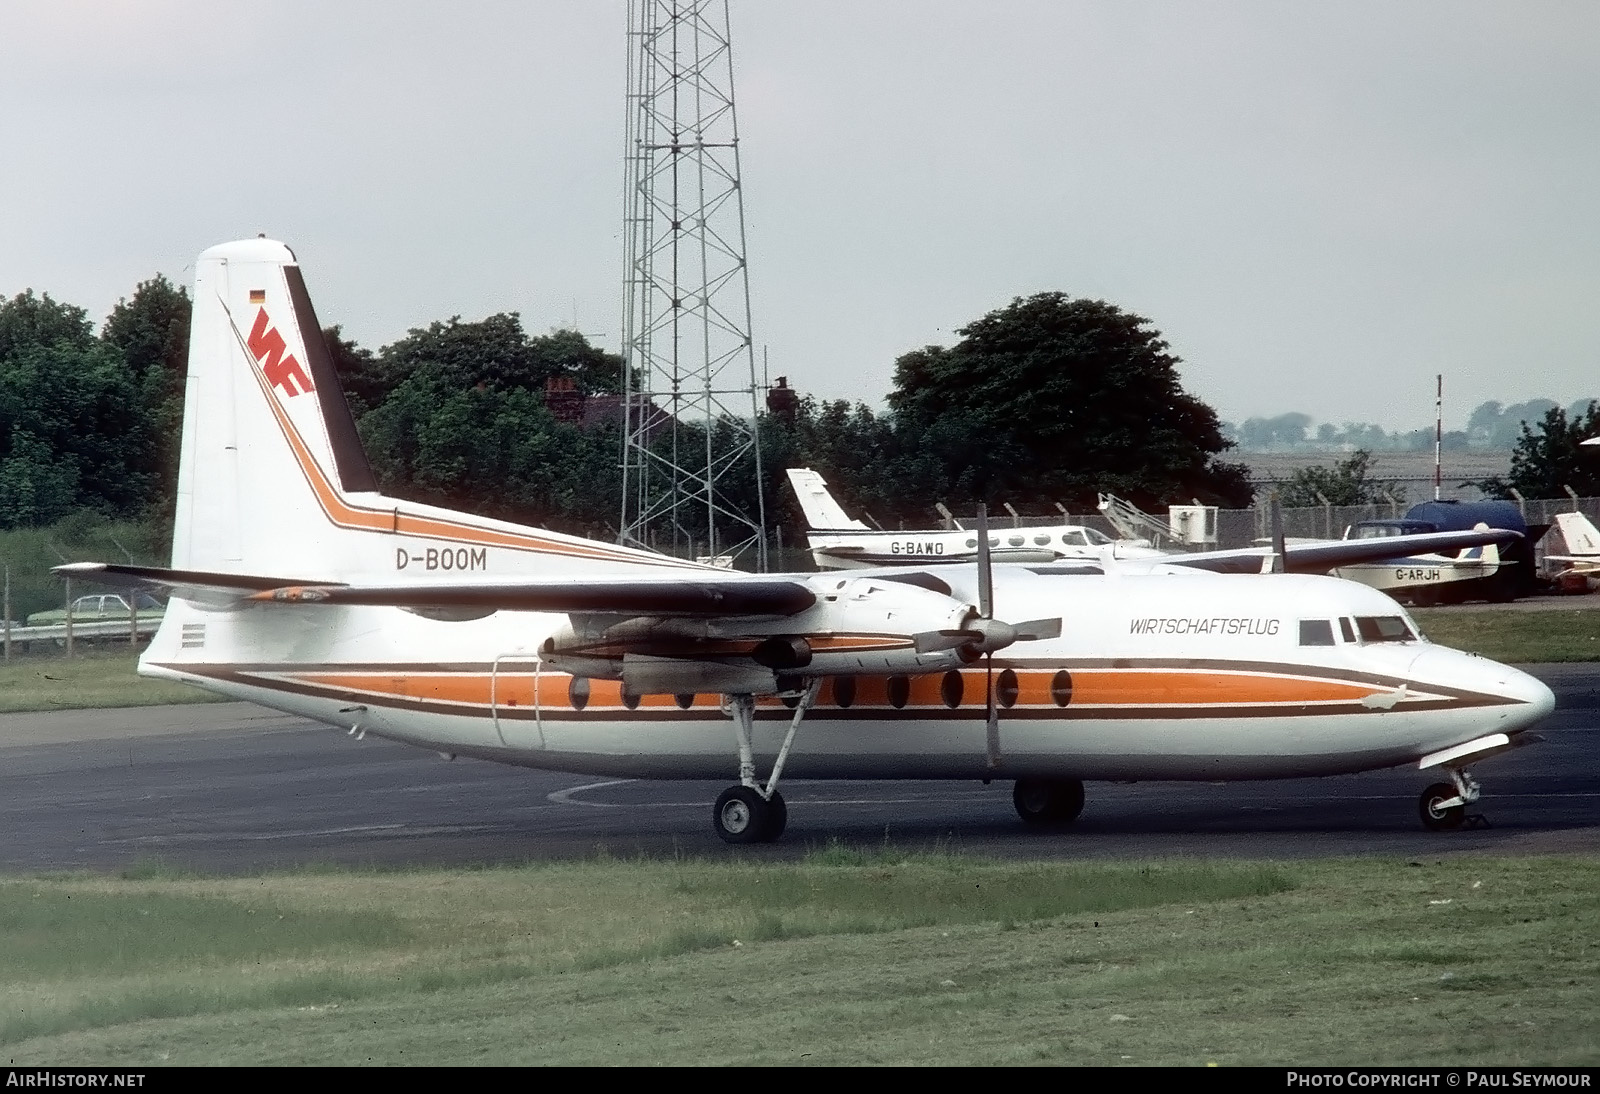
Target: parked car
101 608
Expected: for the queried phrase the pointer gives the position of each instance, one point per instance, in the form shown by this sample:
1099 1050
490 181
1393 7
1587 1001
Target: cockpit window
1096 539
1347 629
1384 628
1316 632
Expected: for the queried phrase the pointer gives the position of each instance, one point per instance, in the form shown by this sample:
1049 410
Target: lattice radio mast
691 464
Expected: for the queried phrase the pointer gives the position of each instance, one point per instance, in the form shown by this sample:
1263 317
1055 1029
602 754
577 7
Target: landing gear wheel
1048 801
777 816
1437 819
742 815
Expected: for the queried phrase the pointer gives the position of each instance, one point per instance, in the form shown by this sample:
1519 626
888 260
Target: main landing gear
750 812
1444 805
1045 802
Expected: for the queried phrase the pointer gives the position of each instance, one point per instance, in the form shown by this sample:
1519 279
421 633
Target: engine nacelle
868 626
864 626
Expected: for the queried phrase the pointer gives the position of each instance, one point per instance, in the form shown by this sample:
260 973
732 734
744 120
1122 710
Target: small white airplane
1582 539
1424 578
296 584
840 542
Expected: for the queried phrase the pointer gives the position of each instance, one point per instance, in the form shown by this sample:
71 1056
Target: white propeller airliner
296 584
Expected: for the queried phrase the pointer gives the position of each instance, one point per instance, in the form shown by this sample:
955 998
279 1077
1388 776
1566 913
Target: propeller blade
992 735
985 566
1035 630
1279 554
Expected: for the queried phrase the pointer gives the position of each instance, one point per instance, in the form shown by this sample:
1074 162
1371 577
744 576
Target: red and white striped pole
1438 434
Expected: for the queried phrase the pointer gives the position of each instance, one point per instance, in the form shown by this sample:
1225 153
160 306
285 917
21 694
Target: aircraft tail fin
273 478
260 375
1583 539
822 512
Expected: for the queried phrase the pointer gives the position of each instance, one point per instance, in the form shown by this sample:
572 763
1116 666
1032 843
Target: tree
361 374
74 432
492 451
150 332
1052 398
1549 457
1494 425
1347 482
497 353
27 321
1284 431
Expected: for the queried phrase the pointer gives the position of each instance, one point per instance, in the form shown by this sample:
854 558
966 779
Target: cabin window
899 691
1061 688
1347 629
1383 628
1074 539
578 692
994 541
972 541
844 691
1042 541
1017 541
950 689
1006 689
1316 632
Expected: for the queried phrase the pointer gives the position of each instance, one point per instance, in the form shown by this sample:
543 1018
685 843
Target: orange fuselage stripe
1096 688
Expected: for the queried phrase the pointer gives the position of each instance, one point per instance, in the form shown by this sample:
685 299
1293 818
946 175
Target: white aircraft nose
1440 665
1526 689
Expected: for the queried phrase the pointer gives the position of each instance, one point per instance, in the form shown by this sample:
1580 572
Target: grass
1516 637
96 677
844 958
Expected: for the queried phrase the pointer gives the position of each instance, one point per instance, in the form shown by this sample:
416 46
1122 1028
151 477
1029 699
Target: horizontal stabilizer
216 590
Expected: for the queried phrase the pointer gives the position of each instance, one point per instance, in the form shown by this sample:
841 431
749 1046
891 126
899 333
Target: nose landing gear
1443 806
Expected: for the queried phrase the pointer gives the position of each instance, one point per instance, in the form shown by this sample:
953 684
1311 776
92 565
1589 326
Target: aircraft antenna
691 457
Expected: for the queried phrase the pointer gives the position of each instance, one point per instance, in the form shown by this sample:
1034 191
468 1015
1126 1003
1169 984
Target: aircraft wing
664 595
1322 556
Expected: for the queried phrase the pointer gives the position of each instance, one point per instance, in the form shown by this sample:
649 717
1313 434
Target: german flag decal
258 296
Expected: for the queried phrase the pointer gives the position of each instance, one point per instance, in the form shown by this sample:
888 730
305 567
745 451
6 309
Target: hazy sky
1319 205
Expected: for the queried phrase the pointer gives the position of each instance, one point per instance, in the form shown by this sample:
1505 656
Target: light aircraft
1582 539
296 584
839 541
1423 578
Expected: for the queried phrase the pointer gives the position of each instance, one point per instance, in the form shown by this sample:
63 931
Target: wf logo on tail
282 371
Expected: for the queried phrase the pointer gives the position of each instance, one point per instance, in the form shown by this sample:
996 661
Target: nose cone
1526 689
1452 668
